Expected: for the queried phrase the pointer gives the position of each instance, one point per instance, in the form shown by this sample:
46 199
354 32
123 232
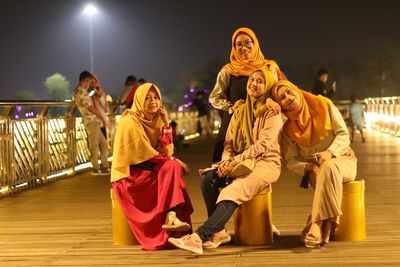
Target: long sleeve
229 152
342 138
266 139
292 157
217 96
166 144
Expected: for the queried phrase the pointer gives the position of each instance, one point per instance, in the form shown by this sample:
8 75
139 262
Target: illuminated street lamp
91 10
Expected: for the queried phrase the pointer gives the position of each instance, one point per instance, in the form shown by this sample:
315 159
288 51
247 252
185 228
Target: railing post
43 144
71 135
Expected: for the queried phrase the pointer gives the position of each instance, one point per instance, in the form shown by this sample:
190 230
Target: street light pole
90 10
91 45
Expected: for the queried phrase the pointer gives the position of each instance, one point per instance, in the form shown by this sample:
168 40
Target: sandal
312 241
172 223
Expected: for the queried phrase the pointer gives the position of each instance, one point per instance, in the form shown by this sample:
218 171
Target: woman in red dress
145 177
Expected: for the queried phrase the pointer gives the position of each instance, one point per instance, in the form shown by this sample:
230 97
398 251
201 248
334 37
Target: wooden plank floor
68 223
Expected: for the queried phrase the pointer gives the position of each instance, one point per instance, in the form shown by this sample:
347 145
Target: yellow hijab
241 67
136 138
246 114
311 122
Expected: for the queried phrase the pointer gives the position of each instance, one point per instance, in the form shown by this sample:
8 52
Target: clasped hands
319 158
225 167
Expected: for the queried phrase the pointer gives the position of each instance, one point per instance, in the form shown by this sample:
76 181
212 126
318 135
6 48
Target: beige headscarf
137 137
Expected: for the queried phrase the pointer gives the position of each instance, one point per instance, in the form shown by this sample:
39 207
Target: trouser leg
216 222
210 184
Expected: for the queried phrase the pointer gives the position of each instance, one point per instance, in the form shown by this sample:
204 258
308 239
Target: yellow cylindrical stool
352 222
122 233
253 220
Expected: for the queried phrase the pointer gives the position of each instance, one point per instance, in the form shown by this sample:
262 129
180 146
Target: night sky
164 40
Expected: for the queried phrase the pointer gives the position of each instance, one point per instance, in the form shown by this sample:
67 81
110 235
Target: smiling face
244 45
152 102
256 86
288 98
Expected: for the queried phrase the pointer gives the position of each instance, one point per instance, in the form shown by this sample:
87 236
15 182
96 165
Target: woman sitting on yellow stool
316 144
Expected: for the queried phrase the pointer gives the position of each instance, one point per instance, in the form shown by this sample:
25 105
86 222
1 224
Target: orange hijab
241 67
137 137
311 122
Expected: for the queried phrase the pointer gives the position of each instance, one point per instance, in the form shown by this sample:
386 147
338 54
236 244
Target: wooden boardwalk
68 223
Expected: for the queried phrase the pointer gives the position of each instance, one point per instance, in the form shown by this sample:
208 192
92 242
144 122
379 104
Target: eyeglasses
247 43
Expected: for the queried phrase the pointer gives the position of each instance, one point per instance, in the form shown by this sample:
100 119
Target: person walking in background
320 87
230 87
356 111
201 103
146 178
92 119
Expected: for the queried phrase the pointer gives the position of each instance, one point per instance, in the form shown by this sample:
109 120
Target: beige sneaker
217 239
191 243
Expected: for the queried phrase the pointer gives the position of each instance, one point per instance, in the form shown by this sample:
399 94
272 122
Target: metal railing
383 114
40 148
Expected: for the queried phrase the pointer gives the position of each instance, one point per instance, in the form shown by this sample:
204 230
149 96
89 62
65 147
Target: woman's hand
323 156
271 104
221 168
164 115
226 168
185 167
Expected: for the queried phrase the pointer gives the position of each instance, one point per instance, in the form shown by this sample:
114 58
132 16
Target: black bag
304 180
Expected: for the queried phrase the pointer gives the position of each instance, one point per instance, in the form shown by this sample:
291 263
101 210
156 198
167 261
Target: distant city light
189 103
186 96
90 10
180 108
192 90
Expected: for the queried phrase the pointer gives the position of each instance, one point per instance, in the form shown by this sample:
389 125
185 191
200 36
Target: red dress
152 189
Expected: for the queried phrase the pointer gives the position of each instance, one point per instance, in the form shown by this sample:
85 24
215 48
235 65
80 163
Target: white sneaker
217 239
191 243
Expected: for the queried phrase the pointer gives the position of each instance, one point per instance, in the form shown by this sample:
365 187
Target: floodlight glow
90 10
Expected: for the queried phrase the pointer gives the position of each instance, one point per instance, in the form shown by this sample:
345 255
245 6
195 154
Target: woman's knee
207 179
171 164
328 166
328 171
